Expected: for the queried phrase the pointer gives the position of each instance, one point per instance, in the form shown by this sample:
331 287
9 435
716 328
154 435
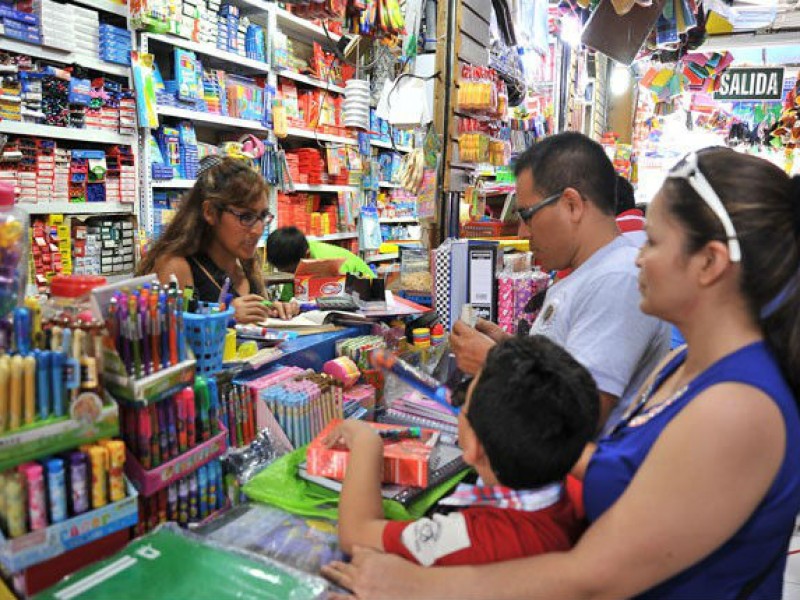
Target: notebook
445 462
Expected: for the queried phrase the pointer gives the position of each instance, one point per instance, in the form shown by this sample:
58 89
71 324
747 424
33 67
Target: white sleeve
428 540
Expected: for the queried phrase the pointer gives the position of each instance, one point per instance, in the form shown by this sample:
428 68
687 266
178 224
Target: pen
135 335
169 408
144 315
163 431
181 333
223 290
400 434
155 332
173 326
165 325
4 377
57 382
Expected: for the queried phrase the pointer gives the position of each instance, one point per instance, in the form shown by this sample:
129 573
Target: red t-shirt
484 534
630 220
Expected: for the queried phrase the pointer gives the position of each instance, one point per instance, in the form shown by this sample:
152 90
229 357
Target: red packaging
405 462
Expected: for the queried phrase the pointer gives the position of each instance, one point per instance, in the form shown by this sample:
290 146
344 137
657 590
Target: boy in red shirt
527 417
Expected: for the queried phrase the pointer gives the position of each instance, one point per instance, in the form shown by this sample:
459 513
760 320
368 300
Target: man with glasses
566 203
287 246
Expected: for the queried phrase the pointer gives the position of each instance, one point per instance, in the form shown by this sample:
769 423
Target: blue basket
206 337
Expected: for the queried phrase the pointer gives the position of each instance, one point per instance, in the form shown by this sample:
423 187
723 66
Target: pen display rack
148 389
150 482
54 435
35 547
206 336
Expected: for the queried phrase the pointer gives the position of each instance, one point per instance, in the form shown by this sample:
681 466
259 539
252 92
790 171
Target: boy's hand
352 433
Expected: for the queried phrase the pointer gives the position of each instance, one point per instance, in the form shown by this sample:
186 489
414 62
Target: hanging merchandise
369 229
404 102
412 170
356 104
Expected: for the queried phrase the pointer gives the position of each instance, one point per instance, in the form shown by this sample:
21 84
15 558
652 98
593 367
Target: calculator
344 303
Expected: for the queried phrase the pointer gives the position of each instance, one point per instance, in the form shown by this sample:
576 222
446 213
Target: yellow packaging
98 457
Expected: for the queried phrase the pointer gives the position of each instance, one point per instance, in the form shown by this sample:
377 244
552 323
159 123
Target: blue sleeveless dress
762 540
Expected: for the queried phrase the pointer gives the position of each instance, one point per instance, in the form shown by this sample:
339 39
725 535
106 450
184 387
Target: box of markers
20 553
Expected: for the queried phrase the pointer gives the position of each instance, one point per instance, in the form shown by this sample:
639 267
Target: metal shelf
173 184
322 137
104 5
97 136
248 64
311 81
349 235
62 56
388 145
211 120
306 187
78 208
303 28
399 220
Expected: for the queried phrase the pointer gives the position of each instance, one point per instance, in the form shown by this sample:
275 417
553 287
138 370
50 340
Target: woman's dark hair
286 247
229 182
533 408
764 206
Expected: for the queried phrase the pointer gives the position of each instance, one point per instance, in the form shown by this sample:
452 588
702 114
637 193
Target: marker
400 434
116 462
15 394
222 292
144 435
29 366
56 489
213 410
57 382
99 459
22 330
78 482
180 405
191 435
4 385
37 335
37 503
169 407
202 402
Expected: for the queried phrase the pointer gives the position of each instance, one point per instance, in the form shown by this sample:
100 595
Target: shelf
399 220
311 81
303 28
348 235
389 185
322 137
173 184
78 208
104 5
96 136
62 56
388 146
248 64
383 257
306 187
211 120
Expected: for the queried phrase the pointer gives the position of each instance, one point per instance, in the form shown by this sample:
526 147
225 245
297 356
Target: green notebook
170 563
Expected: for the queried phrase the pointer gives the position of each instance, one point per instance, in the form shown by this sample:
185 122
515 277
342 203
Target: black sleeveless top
208 278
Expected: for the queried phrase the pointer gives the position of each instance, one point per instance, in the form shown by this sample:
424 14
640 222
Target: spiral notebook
445 462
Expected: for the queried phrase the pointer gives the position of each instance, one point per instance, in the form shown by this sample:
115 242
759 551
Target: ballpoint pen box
150 482
37 546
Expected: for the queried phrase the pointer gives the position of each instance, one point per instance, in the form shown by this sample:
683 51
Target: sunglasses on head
688 169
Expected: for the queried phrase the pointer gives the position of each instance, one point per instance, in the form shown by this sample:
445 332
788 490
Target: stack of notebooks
413 409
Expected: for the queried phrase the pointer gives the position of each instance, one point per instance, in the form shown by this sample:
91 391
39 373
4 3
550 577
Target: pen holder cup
206 336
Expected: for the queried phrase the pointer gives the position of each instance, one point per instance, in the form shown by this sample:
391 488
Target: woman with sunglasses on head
694 493
213 238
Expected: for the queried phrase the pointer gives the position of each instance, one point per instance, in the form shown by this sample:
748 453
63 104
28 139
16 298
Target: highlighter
56 489
98 457
116 463
37 503
43 365
29 377
4 389
15 394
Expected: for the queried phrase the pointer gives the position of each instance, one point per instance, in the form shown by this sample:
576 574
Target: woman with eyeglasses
694 493
213 238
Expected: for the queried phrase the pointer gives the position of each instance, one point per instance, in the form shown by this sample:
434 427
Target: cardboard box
315 278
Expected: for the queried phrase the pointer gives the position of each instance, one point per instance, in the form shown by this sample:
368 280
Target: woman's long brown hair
230 183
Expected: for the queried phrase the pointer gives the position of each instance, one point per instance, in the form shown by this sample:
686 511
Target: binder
482 260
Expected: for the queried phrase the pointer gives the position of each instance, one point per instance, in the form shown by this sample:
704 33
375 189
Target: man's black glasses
249 219
526 214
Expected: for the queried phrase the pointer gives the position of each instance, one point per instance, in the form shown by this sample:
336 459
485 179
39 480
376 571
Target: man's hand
470 347
492 330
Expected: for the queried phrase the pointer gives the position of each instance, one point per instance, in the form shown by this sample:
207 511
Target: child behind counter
526 419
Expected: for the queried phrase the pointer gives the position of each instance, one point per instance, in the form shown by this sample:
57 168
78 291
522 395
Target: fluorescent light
748 40
571 30
620 80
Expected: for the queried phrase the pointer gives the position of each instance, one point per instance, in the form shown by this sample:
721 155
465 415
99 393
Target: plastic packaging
415 269
70 296
14 225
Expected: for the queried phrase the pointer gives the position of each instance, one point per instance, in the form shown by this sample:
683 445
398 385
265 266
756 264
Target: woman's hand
249 309
284 310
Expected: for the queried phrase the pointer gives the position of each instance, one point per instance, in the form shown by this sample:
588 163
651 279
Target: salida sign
763 83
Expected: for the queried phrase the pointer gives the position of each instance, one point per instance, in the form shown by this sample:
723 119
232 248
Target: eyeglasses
526 214
249 219
688 169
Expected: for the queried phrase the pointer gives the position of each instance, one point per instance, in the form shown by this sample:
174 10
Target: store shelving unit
63 56
334 237
173 184
230 59
399 220
90 136
79 208
299 77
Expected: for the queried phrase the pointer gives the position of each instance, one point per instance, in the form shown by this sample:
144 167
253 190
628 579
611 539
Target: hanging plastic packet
369 229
